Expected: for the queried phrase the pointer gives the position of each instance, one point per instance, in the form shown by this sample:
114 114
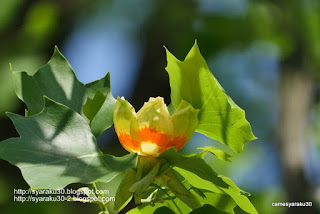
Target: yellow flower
153 130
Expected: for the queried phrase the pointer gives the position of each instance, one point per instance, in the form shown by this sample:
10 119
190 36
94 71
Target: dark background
266 55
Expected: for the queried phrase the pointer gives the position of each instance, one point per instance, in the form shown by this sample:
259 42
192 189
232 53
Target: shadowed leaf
56 148
57 81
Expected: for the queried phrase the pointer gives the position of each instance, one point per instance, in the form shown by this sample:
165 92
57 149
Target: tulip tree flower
152 130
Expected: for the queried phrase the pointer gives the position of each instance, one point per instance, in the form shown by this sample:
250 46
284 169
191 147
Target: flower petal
126 125
154 115
185 121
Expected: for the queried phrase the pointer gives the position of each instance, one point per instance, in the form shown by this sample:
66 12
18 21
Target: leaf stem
167 194
101 204
171 180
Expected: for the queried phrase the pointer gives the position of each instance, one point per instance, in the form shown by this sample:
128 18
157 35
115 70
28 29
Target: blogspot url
61 198
292 204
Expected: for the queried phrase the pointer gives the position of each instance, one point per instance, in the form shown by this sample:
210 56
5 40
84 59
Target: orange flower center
150 141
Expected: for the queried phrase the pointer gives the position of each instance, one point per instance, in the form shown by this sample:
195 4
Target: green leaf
163 210
239 196
222 202
123 194
151 208
193 178
194 164
171 180
145 209
57 81
142 185
92 106
99 106
198 191
200 175
217 152
28 91
207 209
58 147
110 189
219 118
162 197
102 85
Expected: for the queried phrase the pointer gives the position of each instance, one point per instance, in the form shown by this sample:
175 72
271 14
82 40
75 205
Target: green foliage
112 187
143 184
193 183
124 194
193 163
57 144
57 81
174 204
221 202
217 152
99 106
171 180
200 175
219 118
57 148
207 209
162 210
147 209
192 186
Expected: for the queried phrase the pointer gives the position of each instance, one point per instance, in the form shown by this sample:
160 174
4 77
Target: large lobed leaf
219 118
56 148
57 81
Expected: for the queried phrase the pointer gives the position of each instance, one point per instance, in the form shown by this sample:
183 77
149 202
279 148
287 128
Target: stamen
149 148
